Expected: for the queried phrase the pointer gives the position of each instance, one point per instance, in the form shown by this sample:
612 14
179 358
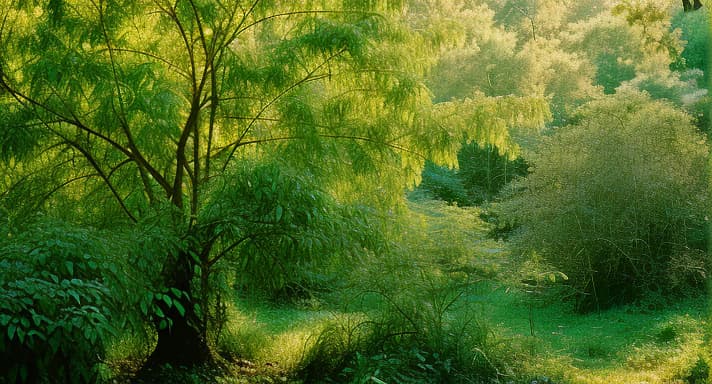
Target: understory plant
56 304
617 200
411 314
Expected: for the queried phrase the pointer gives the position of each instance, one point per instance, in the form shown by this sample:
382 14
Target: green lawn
629 344
621 345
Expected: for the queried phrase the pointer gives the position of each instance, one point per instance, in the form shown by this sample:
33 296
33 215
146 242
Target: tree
216 131
119 112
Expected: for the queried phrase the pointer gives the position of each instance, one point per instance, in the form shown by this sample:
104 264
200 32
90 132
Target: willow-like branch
309 77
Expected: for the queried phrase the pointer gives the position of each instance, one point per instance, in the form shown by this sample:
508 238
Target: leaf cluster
277 229
57 306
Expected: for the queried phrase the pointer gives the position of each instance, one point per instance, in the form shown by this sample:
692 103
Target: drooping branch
92 161
155 57
307 78
331 136
307 12
132 150
69 181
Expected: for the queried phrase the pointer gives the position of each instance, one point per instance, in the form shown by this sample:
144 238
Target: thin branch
227 250
133 150
329 136
295 13
103 176
67 182
309 77
153 56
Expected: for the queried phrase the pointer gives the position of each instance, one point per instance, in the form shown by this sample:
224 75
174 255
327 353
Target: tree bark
182 343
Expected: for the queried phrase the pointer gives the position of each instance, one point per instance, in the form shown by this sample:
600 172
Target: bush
54 310
425 335
417 320
617 200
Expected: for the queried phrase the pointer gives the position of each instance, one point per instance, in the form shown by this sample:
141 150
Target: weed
667 334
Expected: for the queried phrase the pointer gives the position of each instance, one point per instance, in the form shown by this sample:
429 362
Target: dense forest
355 191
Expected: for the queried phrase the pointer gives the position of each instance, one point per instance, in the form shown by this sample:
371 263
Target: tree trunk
182 343
179 345
686 6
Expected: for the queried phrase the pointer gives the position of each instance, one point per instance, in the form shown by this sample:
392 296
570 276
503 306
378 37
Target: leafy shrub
279 231
616 199
55 304
424 335
485 171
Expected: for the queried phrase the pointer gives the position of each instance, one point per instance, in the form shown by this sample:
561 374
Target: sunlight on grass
275 335
621 345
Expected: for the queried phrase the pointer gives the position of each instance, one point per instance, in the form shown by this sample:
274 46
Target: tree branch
103 176
309 77
153 56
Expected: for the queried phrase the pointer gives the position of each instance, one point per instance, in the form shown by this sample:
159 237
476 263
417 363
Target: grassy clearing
622 345
532 336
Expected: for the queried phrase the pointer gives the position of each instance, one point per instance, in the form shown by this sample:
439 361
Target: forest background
354 191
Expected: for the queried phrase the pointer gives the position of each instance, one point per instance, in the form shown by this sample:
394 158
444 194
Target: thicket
617 202
695 31
427 327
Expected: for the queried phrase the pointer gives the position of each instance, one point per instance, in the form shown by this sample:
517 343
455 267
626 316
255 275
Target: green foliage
483 171
696 35
616 201
420 320
443 183
422 336
279 231
156 107
476 54
699 373
653 24
685 89
56 304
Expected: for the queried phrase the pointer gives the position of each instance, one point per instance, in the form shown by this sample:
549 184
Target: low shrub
425 334
55 306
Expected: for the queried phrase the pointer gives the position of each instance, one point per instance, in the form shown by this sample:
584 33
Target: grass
621 345
652 344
